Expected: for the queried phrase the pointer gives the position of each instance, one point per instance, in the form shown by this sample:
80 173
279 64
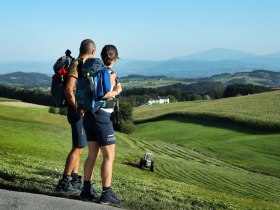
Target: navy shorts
78 132
99 128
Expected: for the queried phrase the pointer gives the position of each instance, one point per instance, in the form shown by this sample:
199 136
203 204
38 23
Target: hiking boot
109 197
65 185
77 184
88 193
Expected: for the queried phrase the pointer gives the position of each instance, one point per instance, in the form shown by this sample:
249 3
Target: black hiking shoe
77 184
109 197
88 193
66 186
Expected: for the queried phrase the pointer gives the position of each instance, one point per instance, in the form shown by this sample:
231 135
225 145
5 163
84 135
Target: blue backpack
91 87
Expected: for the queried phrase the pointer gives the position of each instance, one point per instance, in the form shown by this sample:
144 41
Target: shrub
197 97
206 97
53 110
62 111
126 127
125 111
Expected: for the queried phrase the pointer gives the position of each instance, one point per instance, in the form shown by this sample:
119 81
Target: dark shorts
99 128
78 132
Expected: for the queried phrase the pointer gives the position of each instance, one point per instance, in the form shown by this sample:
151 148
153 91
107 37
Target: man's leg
88 192
72 161
76 168
70 179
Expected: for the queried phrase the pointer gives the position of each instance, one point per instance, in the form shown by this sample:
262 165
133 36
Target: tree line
139 96
35 95
191 92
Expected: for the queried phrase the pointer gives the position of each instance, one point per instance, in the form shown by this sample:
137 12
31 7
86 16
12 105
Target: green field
257 111
201 163
150 83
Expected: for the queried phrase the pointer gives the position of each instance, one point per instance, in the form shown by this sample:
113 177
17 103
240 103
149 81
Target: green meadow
259 111
209 155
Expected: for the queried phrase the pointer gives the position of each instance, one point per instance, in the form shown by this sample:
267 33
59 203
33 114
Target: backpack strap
79 66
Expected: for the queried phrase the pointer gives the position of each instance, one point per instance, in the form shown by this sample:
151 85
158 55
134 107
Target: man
71 181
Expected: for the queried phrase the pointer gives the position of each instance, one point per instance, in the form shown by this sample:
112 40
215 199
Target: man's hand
81 112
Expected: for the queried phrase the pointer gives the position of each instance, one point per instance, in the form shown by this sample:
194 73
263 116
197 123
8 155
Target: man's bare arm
69 91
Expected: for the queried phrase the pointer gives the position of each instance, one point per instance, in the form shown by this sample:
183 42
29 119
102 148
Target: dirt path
21 104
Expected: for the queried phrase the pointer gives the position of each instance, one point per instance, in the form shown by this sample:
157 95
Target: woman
100 134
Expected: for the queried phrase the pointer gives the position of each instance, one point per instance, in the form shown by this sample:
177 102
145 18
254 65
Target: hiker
63 62
68 53
71 181
100 135
61 68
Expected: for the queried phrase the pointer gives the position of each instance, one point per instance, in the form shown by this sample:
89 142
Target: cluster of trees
176 92
243 89
195 91
36 95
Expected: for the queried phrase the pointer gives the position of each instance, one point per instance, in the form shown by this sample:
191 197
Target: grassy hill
258 110
257 77
23 79
200 164
204 126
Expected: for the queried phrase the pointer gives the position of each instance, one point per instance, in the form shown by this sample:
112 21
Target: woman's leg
108 152
88 192
93 153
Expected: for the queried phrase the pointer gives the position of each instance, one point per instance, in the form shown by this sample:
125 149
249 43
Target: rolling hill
258 110
201 163
24 79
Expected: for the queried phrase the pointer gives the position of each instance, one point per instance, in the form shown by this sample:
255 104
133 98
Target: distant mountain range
207 63
257 77
210 62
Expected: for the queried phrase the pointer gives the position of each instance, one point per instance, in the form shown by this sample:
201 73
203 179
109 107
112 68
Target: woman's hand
117 88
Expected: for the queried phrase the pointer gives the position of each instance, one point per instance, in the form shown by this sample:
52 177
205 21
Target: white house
158 100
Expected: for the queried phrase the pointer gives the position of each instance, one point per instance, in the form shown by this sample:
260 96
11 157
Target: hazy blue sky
143 29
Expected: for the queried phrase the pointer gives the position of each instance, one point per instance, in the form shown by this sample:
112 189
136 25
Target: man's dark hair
108 54
87 46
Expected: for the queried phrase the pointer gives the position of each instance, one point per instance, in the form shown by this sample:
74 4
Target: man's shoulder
75 62
73 70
